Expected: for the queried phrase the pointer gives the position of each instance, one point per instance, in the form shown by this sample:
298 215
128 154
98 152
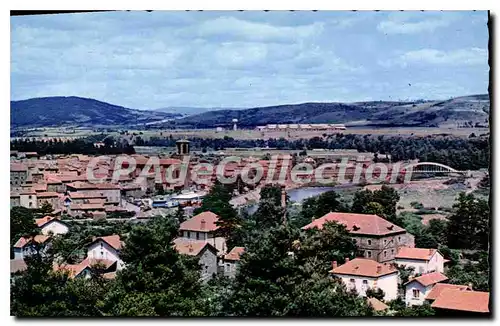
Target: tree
22 223
277 277
366 201
377 293
316 207
157 281
424 310
468 226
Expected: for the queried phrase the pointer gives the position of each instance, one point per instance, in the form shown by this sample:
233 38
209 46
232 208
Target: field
254 134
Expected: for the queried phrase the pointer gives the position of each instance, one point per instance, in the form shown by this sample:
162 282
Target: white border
208 5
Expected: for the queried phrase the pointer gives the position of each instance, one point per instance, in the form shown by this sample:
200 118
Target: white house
27 246
361 274
417 289
106 248
232 260
421 259
204 251
51 225
203 227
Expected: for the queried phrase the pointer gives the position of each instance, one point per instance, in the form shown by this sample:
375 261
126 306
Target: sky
242 59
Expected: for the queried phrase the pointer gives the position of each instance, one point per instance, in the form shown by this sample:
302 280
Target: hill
468 109
59 111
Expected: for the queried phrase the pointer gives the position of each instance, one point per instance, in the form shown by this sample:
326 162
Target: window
416 293
369 242
399 239
228 268
385 242
385 253
197 235
369 254
392 251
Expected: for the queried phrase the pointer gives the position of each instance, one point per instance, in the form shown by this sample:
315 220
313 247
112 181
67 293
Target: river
299 194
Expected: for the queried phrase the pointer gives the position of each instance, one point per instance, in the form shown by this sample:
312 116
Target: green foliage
469 226
383 201
157 280
279 276
473 272
316 207
424 310
375 293
22 223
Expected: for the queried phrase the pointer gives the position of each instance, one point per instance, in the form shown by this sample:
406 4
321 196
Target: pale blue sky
149 60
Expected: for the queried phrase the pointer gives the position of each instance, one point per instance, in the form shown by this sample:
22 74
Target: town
292 164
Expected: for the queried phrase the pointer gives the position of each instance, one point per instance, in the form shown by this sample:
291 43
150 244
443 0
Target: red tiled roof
44 220
81 185
112 240
363 267
85 195
358 223
235 253
415 253
453 299
23 241
18 167
204 222
17 265
439 287
169 161
190 247
86 206
429 278
47 194
376 304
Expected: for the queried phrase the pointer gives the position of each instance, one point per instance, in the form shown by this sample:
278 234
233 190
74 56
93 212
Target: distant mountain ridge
424 113
61 111
72 110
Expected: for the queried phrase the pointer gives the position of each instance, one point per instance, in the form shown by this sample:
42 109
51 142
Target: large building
302 127
377 238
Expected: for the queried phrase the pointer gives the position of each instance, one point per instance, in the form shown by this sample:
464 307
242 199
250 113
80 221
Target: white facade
101 250
55 227
218 242
28 201
230 268
208 262
415 293
388 283
434 264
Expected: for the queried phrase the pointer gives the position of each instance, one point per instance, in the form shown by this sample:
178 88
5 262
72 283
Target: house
421 259
18 174
84 268
27 246
360 274
51 198
417 289
51 225
440 287
204 251
231 261
455 302
28 199
107 248
17 265
377 238
203 227
376 304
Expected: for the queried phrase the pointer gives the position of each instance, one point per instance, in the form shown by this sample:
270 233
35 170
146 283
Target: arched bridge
431 167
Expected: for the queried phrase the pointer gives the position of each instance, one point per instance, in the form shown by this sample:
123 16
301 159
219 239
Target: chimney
190 248
347 259
470 286
203 224
334 264
379 269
